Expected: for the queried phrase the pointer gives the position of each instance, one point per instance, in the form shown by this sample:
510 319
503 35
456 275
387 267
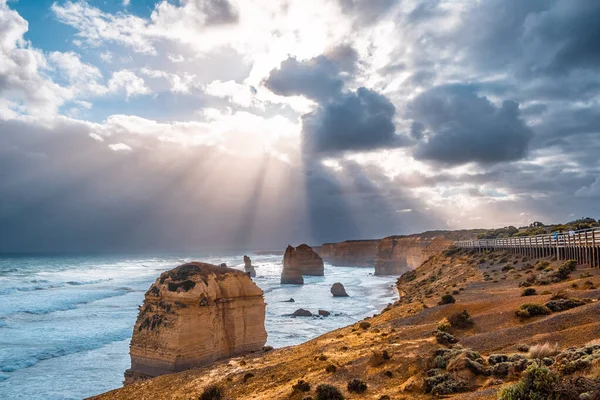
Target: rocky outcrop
351 253
299 261
248 267
338 290
301 312
399 254
194 315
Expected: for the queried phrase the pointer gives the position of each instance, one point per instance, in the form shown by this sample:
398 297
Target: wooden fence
583 246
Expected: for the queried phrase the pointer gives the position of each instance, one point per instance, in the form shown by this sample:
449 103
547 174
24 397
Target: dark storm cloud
361 120
219 12
62 191
367 12
319 78
466 127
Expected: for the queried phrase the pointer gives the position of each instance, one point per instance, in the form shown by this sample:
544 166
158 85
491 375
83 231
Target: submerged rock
324 313
194 315
291 300
338 290
248 267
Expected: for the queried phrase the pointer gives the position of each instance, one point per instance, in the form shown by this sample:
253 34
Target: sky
180 125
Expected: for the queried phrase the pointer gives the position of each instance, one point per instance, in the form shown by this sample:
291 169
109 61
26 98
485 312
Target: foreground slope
397 354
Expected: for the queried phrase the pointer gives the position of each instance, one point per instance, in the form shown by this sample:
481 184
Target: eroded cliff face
194 315
398 254
351 253
299 261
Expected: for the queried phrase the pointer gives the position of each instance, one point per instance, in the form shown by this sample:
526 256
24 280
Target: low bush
564 304
301 386
541 265
461 320
452 250
357 386
328 392
537 382
523 348
248 375
531 310
447 299
529 292
445 338
331 368
212 392
364 325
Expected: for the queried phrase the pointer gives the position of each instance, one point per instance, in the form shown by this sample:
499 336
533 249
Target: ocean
66 321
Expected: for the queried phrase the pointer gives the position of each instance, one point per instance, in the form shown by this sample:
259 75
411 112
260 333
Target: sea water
66 321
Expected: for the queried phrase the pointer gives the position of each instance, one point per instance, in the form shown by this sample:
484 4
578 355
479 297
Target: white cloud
106 56
127 81
23 81
84 79
177 83
119 147
126 3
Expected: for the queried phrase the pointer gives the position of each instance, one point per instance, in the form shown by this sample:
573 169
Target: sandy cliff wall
353 253
194 315
398 254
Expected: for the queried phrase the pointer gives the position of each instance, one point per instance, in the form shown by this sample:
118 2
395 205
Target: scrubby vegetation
212 392
537 383
447 299
529 310
357 386
328 392
461 320
301 386
529 292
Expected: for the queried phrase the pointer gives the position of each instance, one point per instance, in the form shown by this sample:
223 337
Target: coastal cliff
299 261
398 254
351 253
194 315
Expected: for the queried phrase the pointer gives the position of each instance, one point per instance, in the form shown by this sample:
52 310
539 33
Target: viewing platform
582 245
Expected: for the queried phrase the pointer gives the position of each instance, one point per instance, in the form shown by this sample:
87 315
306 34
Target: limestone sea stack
291 274
194 315
248 267
299 261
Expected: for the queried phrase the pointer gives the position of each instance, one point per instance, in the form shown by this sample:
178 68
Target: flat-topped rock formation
351 253
299 261
248 267
194 315
399 254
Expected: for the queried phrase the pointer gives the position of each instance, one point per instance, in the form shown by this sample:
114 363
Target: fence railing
582 245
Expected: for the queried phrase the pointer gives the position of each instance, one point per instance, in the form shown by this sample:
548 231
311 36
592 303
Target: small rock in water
291 300
338 290
302 313
324 313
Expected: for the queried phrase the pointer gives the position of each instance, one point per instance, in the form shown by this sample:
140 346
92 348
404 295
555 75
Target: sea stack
338 290
291 273
248 267
194 315
310 262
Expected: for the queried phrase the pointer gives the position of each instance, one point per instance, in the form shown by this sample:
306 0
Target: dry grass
540 351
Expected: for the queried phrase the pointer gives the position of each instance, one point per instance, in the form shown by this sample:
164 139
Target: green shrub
212 392
357 386
445 338
537 383
452 250
529 310
529 292
541 265
461 320
364 325
447 299
328 392
564 304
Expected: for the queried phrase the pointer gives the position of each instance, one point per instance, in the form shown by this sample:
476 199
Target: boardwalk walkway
583 246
